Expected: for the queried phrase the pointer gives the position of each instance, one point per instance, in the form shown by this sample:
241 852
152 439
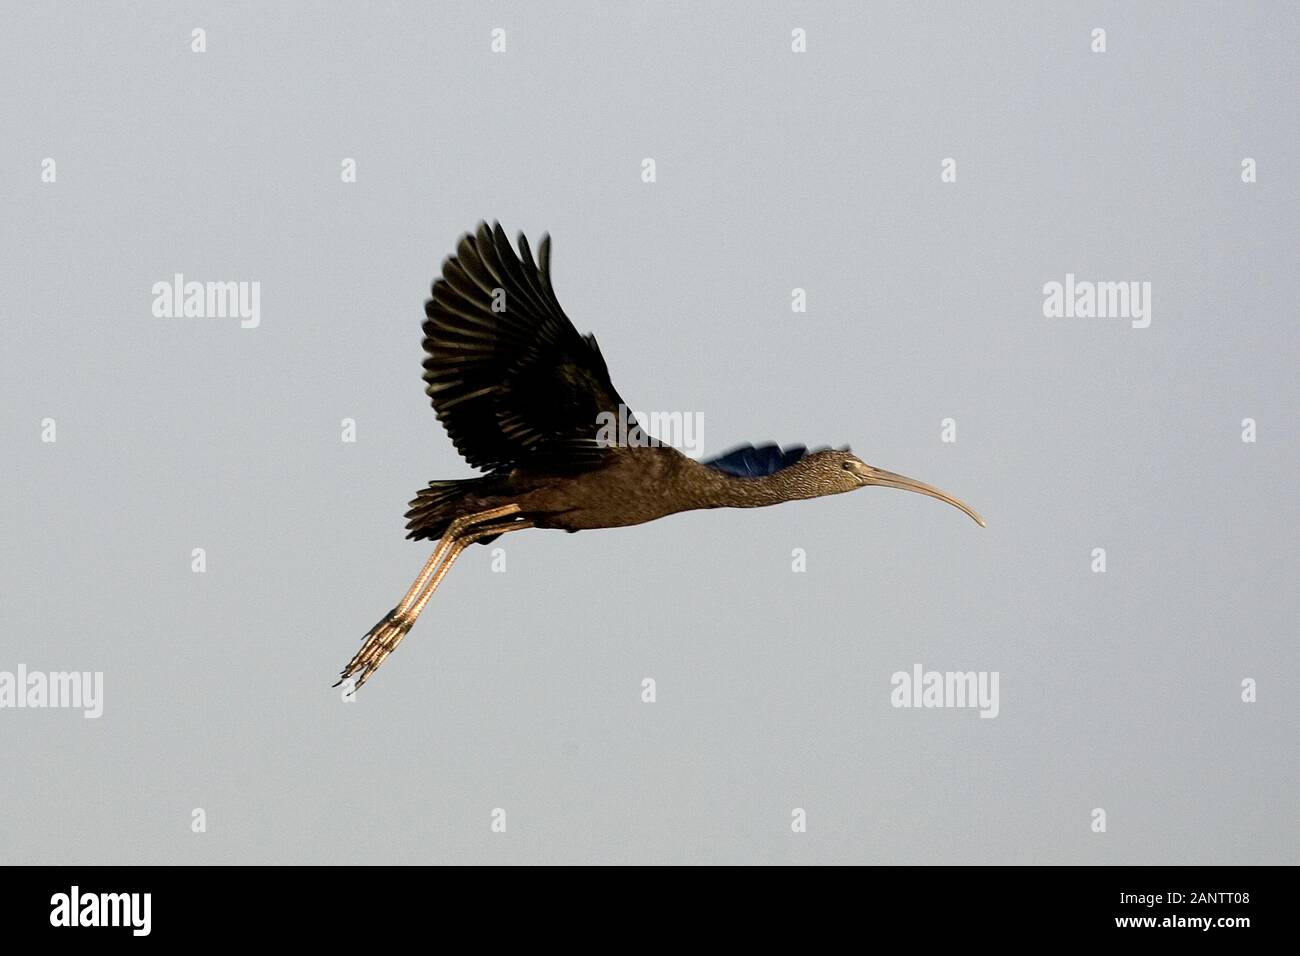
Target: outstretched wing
750 461
510 378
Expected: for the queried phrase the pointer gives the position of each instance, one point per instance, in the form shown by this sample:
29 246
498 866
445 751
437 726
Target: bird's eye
847 466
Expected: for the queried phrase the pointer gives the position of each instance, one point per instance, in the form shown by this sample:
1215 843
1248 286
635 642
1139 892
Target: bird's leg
384 637
394 625
463 542
444 545
368 661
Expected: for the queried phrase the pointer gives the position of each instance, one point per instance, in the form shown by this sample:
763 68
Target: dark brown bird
528 400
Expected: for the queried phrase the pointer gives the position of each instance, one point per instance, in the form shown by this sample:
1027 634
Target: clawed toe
381 641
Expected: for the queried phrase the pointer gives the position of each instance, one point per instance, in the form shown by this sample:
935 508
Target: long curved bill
878 476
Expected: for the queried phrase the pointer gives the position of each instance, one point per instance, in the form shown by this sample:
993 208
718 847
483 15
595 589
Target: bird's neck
727 491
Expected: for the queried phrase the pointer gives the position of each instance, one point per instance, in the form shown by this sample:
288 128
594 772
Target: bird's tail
434 507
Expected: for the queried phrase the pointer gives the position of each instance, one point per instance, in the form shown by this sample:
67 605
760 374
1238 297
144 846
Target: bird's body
528 400
632 486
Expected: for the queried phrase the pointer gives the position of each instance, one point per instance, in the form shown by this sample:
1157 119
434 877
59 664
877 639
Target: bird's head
839 470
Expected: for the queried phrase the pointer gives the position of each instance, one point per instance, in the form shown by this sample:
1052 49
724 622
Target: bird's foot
381 641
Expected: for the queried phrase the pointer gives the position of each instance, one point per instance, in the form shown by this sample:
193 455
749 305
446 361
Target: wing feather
518 386
756 461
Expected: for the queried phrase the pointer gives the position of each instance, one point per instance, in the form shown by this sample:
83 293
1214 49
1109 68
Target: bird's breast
632 489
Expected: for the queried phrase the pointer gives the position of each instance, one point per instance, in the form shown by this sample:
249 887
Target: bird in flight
527 400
